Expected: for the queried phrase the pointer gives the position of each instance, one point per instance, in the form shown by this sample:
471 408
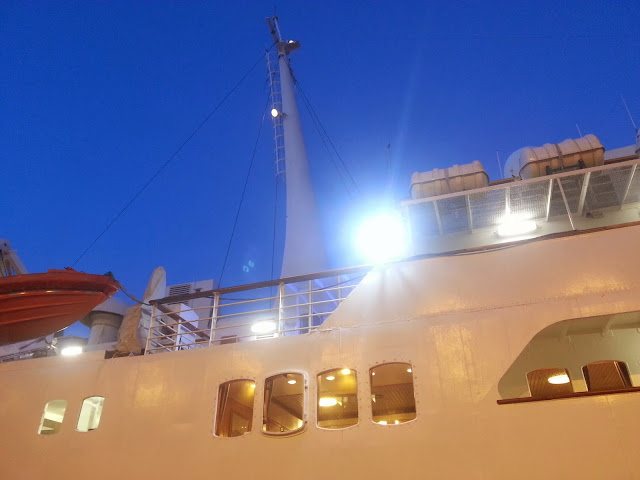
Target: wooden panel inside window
549 382
606 375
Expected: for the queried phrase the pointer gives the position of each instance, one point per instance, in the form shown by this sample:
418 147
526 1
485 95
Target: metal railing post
214 316
309 309
153 314
628 186
280 306
566 204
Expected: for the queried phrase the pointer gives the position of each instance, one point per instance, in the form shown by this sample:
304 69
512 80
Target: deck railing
277 308
573 200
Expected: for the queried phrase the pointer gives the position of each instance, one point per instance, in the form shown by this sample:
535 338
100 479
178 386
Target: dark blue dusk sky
95 96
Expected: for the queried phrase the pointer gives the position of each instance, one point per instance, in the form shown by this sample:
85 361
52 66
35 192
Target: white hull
460 321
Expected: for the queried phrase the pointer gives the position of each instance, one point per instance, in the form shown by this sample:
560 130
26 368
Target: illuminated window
90 414
284 400
52 417
337 398
235 408
392 398
606 375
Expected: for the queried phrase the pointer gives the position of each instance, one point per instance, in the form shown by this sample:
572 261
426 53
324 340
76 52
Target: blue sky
95 96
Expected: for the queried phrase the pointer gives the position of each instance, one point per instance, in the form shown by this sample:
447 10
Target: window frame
217 402
305 404
358 408
44 412
413 384
80 413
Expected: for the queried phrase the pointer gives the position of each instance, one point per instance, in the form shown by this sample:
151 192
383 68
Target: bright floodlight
274 112
73 350
382 238
512 226
266 326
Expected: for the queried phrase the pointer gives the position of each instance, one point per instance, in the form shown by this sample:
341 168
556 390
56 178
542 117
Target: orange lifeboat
38 304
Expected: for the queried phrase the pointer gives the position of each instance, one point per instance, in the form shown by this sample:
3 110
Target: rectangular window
235 408
392 397
90 413
337 398
284 399
52 417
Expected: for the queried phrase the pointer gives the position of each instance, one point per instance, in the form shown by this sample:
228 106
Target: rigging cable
326 147
244 189
319 122
162 167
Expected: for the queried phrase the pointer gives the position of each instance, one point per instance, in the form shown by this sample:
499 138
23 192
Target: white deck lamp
514 226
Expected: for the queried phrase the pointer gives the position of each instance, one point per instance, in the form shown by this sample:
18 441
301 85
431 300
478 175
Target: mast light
274 112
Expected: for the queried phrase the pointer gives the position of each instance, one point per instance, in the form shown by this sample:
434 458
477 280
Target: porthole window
52 417
284 402
337 398
234 413
392 397
90 413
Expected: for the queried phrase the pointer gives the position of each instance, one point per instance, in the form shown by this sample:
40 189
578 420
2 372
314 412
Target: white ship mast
304 250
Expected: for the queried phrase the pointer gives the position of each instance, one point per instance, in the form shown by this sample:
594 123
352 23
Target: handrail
180 326
264 284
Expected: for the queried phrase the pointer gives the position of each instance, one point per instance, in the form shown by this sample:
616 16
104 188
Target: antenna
628 112
499 164
274 28
389 158
579 132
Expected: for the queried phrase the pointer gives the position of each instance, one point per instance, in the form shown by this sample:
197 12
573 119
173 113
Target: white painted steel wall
460 321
